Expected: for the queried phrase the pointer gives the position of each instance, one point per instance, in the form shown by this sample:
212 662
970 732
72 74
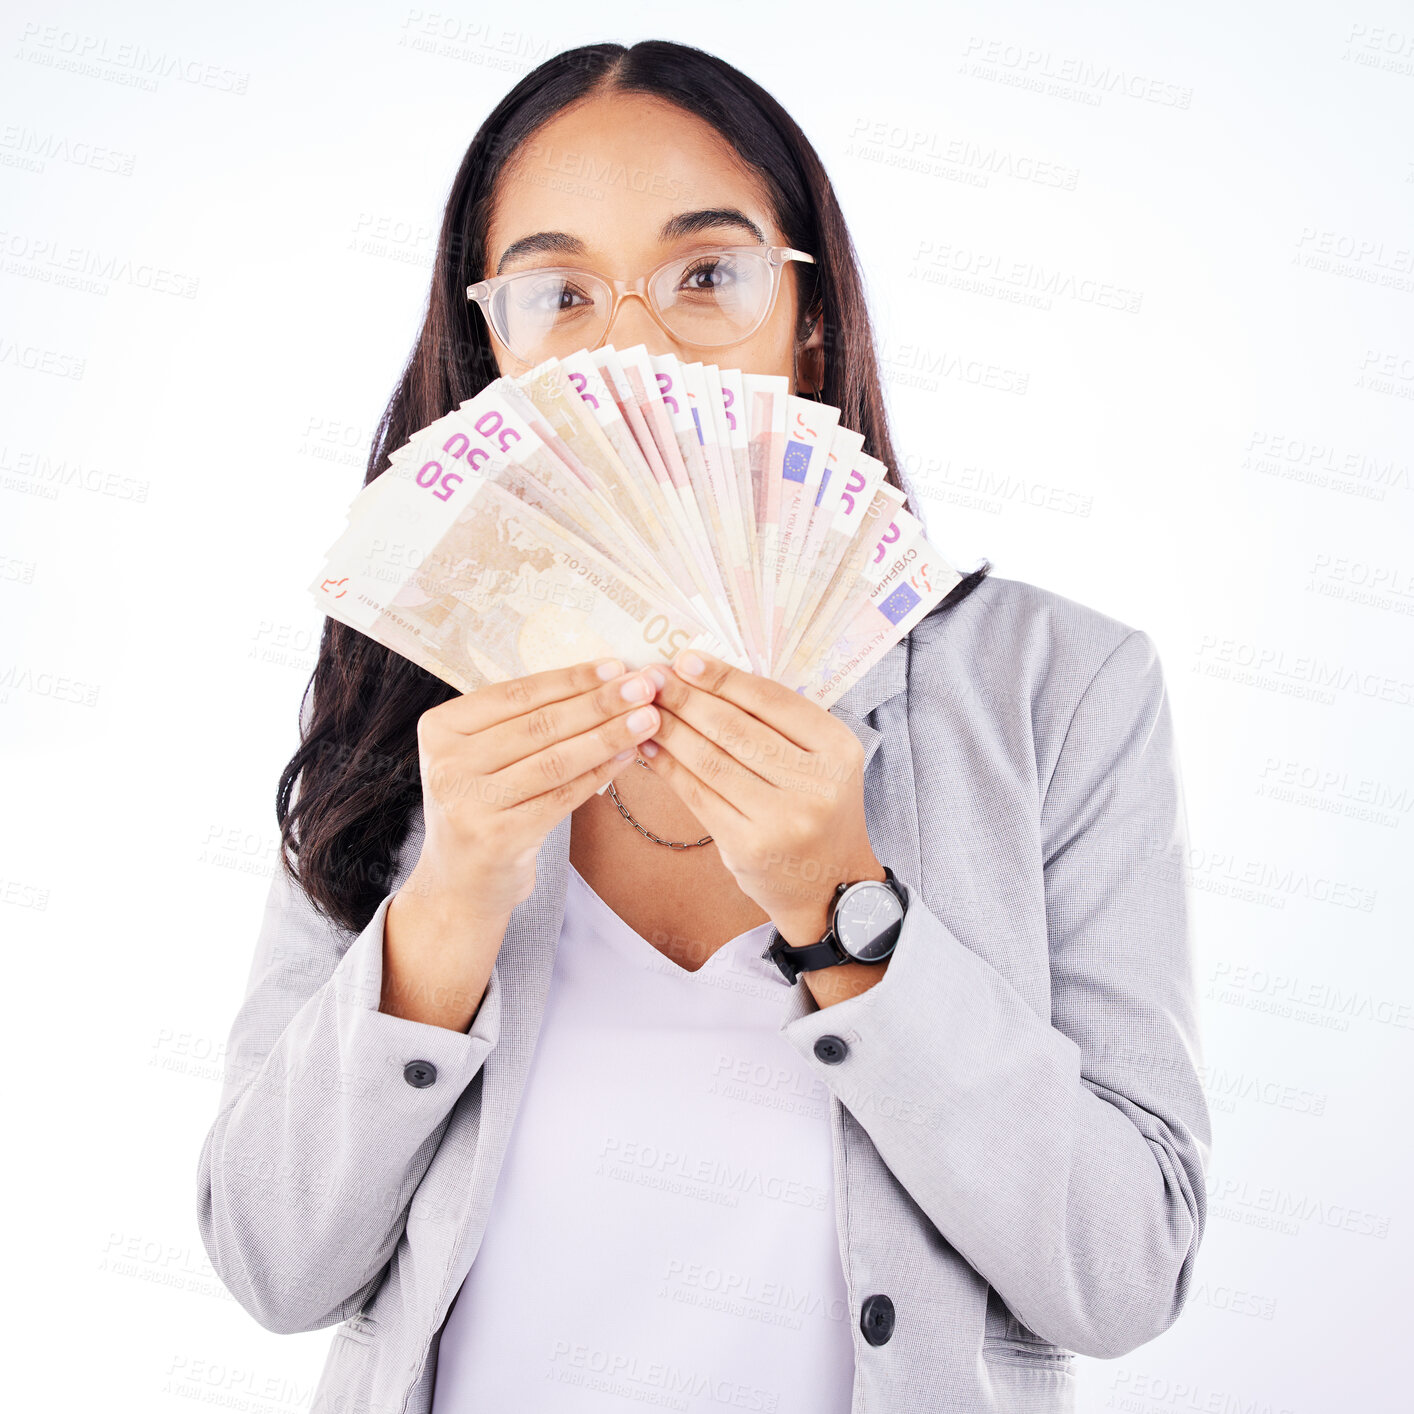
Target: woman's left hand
777 782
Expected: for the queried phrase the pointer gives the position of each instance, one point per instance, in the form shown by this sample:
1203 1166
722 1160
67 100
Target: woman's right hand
503 765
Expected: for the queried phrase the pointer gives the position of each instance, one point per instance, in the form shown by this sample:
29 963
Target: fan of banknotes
617 502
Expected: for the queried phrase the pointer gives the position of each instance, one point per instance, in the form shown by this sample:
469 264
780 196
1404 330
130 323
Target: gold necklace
671 844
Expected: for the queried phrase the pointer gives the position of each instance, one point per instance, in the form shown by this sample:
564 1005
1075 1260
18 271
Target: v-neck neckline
638 949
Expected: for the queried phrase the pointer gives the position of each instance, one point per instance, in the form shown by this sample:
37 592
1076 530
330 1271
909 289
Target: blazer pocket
1006 1341
1028 1350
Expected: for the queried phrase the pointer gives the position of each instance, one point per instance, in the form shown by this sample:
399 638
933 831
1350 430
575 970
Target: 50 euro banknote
550 520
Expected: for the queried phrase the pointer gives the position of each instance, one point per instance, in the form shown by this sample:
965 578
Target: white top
662 1233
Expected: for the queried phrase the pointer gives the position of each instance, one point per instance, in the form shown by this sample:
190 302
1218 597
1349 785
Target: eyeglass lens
708 299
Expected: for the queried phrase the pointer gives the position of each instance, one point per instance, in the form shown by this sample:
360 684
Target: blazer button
420 1073
830 1049
876 1319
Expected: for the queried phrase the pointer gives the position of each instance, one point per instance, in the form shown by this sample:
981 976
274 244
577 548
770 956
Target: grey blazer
1020 1133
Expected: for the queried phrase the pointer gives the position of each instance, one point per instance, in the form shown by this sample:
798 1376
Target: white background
1226 463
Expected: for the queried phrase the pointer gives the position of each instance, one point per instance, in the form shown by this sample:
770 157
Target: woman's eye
553 297
707 276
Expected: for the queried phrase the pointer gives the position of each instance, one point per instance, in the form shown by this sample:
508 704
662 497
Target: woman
556 1099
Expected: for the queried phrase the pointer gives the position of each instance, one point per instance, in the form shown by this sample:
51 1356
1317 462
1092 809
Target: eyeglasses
711 298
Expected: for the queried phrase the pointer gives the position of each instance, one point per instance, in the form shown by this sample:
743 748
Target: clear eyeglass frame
483 292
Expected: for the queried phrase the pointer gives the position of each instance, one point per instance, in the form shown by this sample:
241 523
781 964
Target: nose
633 323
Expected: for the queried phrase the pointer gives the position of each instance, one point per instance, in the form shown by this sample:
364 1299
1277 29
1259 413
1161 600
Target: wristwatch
865 920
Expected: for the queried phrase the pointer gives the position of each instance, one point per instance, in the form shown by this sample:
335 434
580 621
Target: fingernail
647 748
626 753
609 668
657 674
689 664
635 689
641 720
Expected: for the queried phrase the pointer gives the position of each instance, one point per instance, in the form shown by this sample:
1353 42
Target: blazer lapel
884 680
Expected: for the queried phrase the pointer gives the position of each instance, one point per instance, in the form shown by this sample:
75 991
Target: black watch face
868 921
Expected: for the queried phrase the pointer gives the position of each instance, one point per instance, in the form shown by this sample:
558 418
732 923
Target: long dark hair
357 764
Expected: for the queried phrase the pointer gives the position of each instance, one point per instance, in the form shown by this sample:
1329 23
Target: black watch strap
793 961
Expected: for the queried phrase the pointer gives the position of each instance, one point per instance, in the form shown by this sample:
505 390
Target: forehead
611 170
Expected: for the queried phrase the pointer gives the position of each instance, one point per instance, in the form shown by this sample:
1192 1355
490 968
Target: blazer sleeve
321 1139
1063 1158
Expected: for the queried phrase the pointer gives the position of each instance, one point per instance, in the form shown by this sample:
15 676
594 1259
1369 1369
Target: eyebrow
685 223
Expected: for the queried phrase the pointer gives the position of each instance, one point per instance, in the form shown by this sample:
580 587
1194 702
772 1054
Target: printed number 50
655 631
440 483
